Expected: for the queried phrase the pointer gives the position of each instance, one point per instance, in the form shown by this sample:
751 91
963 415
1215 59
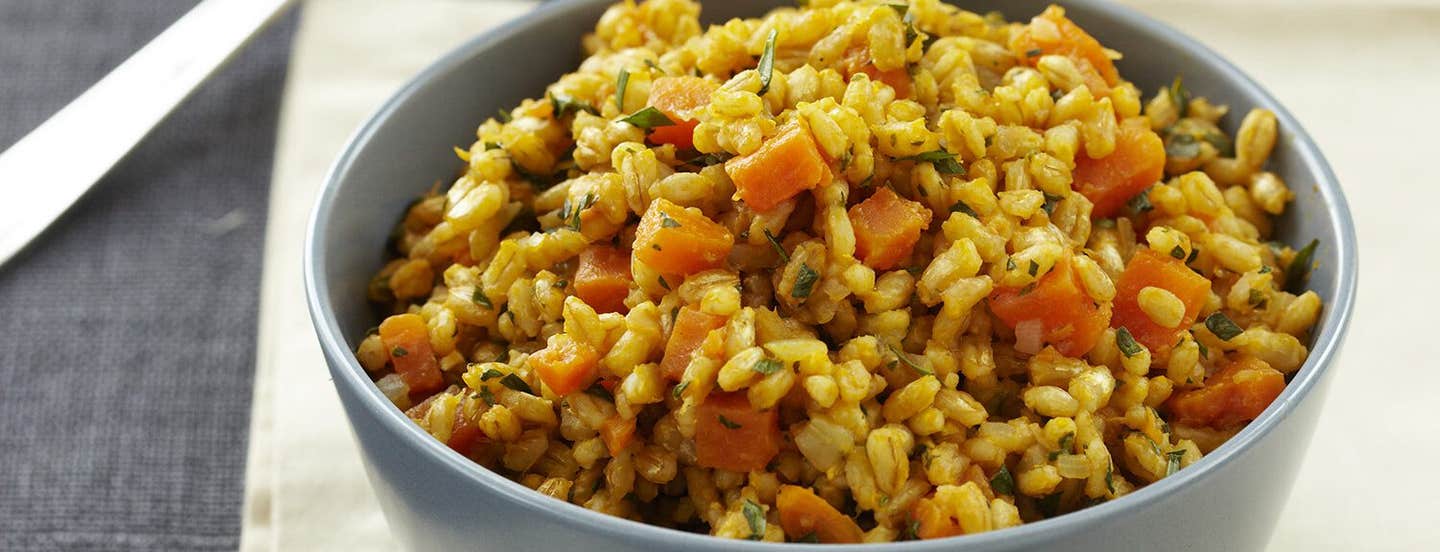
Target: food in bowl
849 272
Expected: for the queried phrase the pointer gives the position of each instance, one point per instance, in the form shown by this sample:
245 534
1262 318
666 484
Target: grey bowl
436 499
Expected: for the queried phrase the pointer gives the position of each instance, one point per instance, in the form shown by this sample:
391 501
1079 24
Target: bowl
434 498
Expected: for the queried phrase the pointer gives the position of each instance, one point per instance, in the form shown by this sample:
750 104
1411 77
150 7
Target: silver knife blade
44 173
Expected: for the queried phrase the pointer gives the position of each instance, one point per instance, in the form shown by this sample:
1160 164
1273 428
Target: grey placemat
127 332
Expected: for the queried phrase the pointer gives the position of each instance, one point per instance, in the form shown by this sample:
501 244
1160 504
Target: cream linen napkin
306 488
1362 76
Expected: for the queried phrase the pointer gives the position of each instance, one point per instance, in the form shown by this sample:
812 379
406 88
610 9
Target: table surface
1361 76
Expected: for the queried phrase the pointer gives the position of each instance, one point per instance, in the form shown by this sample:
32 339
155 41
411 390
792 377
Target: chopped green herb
667 222
563 106
961 207
804 282
1299 268
651 64
1034 268
648 118
1172 461
1067 441
810 537
1194 252
727 423
1027 289
662 281
1178 252
1179 96
491 374
1222 144
845 159
705 160
905 359
755 517
621 82
479 298
943 161
1266 269
1256 299
1182 146
767 63
560 284
767 366
514 382
504 116
1222 326
1126 342
1140 203
1009 264
1051 201
679 390
1002 482
1204 351
487 396
398 352
866 182
1110 478
1034 53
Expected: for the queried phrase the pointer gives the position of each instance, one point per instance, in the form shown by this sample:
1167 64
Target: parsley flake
767 63
905 359
398 352
755 517
767 366
1299 268
804 282
621 82
943 161
514 382
1222 326
1126 342
648 118
726 422
1002 482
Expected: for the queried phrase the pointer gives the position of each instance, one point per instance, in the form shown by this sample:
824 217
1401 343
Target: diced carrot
1070 319
407 340
690 328
803 513
886 228
679 98
1236 394
857 60
676 240
731 435
1137 162
617 432
785 165
566 365
1053 33
602 279
1150 269
931 521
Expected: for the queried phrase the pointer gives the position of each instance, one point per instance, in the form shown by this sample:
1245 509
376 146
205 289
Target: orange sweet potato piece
857 60
679 98
803 513
690 328
566 365
676 240
602 278
732 435
617 432
932 522
1137 162
407 341
886 228
1053 33
785 165
1236 394
1071 321
1150 269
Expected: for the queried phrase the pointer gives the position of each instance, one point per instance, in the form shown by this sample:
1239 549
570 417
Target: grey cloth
127 332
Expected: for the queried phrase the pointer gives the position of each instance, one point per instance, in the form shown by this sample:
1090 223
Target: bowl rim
347 373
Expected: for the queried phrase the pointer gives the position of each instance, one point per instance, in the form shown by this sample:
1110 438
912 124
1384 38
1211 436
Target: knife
44 173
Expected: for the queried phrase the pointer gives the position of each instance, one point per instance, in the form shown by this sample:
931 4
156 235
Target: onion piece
1029 336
